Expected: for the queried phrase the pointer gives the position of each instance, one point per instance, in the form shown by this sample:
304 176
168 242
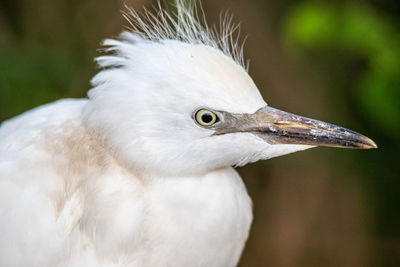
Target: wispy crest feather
186 24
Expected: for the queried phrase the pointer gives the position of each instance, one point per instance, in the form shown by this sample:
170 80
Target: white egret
139 174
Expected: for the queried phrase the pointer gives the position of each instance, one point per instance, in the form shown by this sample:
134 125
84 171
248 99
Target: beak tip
369 144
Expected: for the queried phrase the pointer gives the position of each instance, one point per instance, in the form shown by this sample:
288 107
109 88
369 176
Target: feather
187 24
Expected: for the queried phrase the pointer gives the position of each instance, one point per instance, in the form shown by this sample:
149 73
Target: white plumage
67 201
128 177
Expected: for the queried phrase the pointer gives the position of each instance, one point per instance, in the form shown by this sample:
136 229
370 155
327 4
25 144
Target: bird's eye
206 117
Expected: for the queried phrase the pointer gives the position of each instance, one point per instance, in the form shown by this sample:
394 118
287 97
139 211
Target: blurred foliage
362 46
28 78
47 50
358 30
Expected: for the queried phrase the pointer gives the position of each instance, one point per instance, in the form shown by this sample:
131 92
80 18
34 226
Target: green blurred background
337 61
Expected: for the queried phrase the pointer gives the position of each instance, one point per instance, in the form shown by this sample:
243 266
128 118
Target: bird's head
180 101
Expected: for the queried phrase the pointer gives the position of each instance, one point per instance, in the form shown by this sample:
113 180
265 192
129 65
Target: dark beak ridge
279 127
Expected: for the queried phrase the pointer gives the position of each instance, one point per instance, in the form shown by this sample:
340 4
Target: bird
141 172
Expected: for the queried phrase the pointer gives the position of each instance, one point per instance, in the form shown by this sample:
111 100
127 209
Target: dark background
337 61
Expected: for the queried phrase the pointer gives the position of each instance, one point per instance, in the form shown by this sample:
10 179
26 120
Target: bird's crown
185 23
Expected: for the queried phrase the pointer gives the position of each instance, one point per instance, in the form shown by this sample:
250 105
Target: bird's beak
279 127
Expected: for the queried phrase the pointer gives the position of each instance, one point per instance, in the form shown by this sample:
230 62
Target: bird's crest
186 23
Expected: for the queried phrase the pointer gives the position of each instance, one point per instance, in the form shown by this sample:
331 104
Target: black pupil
206 117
